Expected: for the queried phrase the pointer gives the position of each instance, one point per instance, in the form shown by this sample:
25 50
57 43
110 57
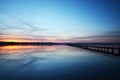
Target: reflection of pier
109 48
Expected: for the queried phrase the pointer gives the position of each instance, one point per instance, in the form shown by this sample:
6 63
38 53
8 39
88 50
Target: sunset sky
60 20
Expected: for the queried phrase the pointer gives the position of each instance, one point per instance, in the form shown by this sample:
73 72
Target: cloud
110 36
11 25
34 28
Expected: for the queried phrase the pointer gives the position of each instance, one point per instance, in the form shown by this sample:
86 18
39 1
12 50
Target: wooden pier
108 48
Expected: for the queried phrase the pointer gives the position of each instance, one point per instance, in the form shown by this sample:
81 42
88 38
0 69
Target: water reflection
43 51
55 62
25 49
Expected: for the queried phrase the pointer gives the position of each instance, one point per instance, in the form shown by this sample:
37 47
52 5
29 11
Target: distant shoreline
53 43
28 43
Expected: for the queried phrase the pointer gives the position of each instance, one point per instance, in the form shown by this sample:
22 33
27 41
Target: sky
60 20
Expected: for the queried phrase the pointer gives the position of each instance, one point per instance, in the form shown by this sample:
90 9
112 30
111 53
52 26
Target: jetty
107 48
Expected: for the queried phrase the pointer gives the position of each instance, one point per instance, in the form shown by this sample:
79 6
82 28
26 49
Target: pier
108 48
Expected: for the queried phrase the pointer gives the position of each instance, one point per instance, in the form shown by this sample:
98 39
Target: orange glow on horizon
16 40
11 38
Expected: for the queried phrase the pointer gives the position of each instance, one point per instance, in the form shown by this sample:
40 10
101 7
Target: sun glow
12 38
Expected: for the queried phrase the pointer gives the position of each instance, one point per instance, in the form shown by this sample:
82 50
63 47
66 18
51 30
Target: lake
56 62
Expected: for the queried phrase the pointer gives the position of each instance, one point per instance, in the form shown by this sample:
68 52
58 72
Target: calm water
56 63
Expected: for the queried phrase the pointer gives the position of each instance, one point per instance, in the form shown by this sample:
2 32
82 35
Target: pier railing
109 48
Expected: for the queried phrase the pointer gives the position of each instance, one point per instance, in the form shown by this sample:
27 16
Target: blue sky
67 20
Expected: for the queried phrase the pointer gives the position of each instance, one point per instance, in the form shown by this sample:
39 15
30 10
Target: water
56 63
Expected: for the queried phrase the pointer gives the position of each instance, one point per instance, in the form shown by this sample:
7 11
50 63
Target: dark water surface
56 63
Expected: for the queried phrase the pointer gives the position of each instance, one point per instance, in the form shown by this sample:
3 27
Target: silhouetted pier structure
109 48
